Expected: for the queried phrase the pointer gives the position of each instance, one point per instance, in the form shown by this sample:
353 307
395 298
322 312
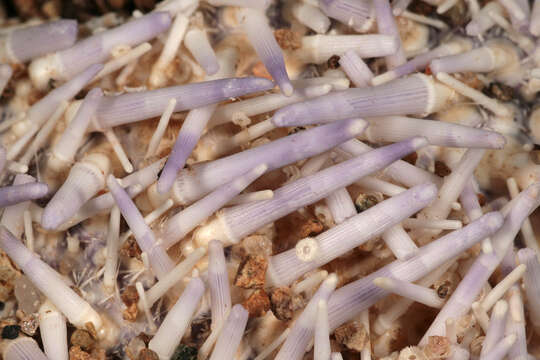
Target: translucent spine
286 267
231 334
262 39
176 322
53 329
303 328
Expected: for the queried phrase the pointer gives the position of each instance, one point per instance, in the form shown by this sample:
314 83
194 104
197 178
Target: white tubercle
176 322
409 290
231 334
160 130
113 243
181 270
53 329
322 349
307 249
311 16
23 348
177 32
197 43
337 356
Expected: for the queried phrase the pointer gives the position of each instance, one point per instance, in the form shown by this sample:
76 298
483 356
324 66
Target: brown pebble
288 39
91 329
251 272
501 92
76 353
145 5
438 347
29 324
131 249
82 339
352 335
200 330
471 79
281 303
147 354
260 70
8 275
364 202
333 62
441 169
443 290
130 295
481 199
98 354
130 312
457 16
421 8
257 304
411 158
310 228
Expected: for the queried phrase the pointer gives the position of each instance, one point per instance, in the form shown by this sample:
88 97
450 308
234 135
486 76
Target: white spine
176 322
322 349
53 329
23 348
218 279
173 277
231 334
197 43
319 48
111 262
